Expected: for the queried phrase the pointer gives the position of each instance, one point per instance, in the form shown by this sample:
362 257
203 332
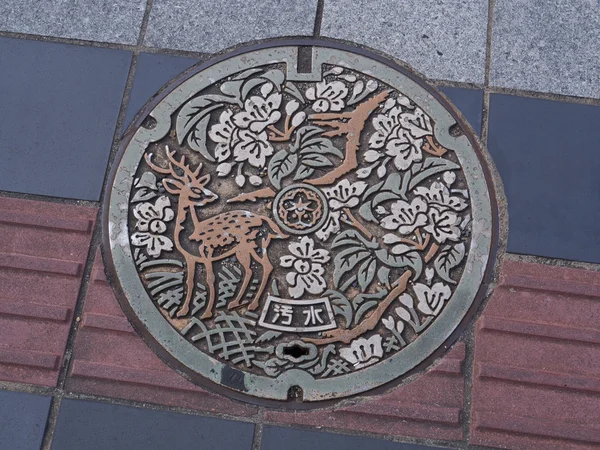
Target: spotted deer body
240 234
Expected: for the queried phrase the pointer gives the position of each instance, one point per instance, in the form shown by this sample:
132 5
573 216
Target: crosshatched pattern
344 222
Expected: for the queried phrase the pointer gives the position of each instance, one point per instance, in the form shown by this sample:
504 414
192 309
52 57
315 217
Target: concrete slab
443 40
102 20
207 26
547 46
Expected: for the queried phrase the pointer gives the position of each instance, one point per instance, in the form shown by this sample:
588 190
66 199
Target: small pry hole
149 123
455 130
295 394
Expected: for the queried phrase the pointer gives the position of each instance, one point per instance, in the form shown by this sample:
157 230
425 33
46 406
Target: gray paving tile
547 155
277 438
547 46
58 110
153 71
443 40
22 420
101 20
93 425
209 26
469 102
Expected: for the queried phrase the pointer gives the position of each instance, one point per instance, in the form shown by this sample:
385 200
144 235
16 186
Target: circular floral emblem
292 234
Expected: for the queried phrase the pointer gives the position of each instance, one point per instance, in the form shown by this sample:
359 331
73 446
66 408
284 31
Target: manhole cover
299 223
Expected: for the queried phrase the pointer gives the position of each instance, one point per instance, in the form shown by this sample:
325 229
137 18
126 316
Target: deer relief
232 233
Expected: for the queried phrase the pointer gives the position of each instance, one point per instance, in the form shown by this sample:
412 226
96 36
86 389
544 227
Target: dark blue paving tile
277 438
100 426
548 155
58 110
22 420
153 72
469 102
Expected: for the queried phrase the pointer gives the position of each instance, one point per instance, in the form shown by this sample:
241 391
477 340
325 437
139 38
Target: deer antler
187 172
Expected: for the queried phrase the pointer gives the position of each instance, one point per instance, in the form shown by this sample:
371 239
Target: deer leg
245 260
267 268
189 288
210 281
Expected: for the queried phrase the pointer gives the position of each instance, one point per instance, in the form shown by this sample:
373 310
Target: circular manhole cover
294 222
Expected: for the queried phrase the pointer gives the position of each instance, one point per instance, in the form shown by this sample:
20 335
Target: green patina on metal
377 258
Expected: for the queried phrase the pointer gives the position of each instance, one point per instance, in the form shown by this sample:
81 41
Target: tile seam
94 245
318 18
493 89
258 429
469 339
40 390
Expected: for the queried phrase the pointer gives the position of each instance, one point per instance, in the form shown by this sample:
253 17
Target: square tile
152 73
59 107
443 40
547 155
93 425
277 438
209 26
547 46
23 420
101 20
469 102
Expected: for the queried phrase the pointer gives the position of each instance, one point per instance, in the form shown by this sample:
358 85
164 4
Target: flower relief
443 207
244 134
433 209
151 224
341 198
431 300
399 135
363 352
307 264
327 96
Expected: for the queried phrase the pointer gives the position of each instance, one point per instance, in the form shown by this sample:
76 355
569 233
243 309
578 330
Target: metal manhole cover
299 222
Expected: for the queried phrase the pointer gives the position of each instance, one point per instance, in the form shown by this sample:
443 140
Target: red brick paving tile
111 360
43 249
428 407
537 360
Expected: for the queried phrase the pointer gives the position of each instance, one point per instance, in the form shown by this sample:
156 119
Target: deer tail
276 232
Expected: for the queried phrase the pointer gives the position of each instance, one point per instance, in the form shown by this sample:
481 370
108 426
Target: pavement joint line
49 199
367 434
51 422
467 373
488 68
258 428
203 55
157 407
94 245
319 18
556 262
